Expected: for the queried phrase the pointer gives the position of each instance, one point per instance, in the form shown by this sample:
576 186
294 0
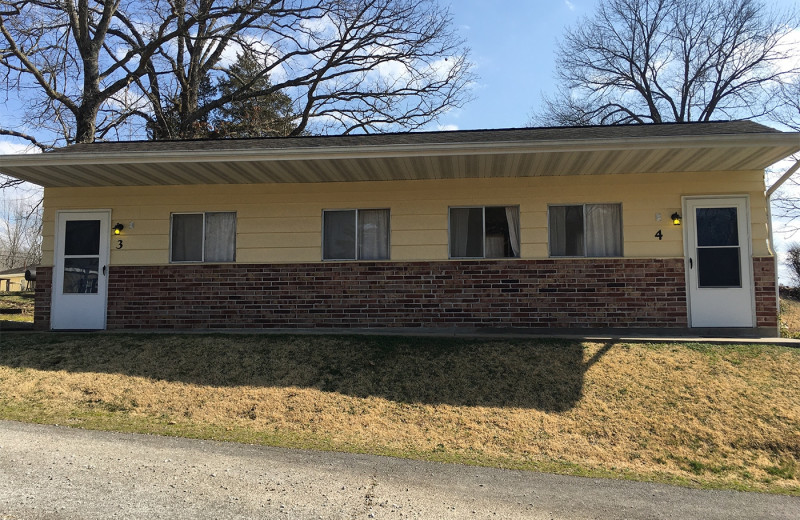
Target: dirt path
55 472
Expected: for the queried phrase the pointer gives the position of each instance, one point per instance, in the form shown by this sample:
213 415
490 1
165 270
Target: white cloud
790 43
10 147
394 71
26 192
321 27
785 56
569 5
278 73
447 128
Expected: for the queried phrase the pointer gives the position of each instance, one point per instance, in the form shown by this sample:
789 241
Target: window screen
203 237
585 230
81 256
718 258
355 234
82 237
484 232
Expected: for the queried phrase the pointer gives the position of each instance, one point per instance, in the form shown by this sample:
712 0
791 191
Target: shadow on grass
542 374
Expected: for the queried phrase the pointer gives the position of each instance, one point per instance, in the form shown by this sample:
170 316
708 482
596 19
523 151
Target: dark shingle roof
15 270
430 138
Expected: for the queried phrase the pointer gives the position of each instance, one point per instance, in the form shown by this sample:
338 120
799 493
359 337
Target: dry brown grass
790 317
719 416
16 300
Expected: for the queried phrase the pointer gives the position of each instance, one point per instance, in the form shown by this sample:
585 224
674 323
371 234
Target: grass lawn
691 414
16 300
790 317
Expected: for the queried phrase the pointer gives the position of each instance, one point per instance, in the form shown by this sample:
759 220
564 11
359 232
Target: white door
80 276
719 262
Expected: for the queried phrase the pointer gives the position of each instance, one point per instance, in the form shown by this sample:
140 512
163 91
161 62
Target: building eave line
772 140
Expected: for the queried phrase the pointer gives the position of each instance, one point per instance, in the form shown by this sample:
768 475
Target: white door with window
80 275
719 262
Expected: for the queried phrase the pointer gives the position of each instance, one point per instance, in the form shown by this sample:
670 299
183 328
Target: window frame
483 232
356 236
583 206
203 237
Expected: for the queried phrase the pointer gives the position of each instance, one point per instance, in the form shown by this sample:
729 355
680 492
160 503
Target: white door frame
62 313
746 255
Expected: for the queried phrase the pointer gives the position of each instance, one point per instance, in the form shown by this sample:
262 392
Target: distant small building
13 280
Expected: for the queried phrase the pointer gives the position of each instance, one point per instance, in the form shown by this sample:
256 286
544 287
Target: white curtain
373 234
558 230
512 215
603 229
220 237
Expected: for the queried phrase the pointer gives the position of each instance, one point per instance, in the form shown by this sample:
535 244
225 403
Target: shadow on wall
542 374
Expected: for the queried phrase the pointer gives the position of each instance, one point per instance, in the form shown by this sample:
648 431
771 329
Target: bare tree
786 201
101 69
653 61
788 113
347 65
792 262
71 58
96 69
20 233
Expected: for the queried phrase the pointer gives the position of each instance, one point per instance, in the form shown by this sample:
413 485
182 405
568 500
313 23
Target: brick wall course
563 293
764 277
579 293
41 298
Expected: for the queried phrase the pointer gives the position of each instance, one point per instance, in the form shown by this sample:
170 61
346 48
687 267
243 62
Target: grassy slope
716 416
790 317
16 300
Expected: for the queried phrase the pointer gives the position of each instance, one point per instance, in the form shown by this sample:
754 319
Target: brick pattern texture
503 293
563 293
764 277
41 298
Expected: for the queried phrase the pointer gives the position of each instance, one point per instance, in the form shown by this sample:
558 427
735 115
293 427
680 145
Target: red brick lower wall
41 298
764 277
563 293
504 293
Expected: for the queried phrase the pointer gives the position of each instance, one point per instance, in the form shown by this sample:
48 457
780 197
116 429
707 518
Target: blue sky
512 44
513 48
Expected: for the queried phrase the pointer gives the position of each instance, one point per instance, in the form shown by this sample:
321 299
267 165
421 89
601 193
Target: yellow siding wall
12 282
282 222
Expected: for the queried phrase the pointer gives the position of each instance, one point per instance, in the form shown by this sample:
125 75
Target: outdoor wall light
118 228
676 219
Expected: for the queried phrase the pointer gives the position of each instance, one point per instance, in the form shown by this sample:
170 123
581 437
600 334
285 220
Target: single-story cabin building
641 227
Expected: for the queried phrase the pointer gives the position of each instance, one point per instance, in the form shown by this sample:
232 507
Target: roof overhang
366 162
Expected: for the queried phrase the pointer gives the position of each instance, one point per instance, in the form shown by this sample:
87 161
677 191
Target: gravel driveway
54 472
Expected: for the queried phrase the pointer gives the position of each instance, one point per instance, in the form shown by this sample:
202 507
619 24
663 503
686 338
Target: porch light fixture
676 219
118 228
